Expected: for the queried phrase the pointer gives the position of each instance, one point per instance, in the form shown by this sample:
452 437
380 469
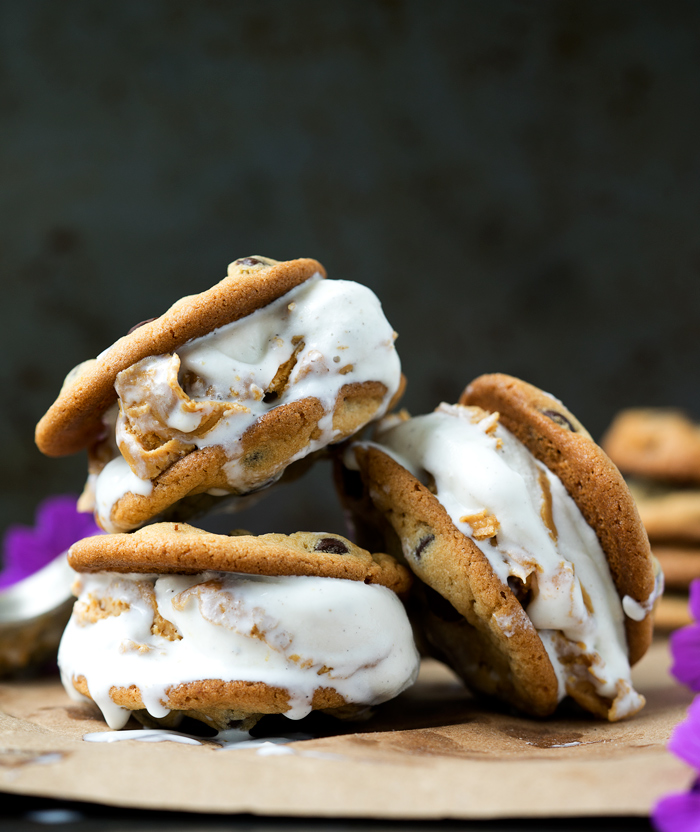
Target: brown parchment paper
433 753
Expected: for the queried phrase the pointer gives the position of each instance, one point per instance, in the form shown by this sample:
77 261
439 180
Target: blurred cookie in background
657 443
658 452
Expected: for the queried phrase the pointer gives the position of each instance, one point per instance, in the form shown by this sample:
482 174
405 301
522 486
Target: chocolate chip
137 326
560 419
331 545
254 457
426 541
248 261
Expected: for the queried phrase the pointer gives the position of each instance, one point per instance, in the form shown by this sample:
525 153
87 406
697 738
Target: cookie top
655 442
74 420
177 548
557 439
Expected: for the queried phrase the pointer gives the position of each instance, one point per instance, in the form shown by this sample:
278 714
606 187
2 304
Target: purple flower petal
685 740
685 649
678 813
694 603
57 526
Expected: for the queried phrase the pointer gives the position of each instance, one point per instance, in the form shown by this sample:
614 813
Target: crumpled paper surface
433 753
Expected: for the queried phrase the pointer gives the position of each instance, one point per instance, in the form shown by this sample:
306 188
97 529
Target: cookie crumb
483 524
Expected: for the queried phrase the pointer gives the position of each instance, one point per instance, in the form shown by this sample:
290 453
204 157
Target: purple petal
685 649
694 603
685 740
58 525
11 575
678 813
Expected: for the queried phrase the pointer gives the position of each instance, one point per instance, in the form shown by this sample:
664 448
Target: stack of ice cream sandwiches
658 451
513 541
216 398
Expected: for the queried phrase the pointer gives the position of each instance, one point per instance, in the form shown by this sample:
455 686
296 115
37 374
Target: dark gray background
518 182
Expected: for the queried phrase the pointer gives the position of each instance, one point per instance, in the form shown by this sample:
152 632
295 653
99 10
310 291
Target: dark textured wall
518 182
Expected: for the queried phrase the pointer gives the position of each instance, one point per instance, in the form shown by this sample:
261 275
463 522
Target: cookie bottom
220 704
285 434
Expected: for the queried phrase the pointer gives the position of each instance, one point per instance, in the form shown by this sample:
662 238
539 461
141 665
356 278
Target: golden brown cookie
177 548
223 392
476 620
74 420
655 442
221 704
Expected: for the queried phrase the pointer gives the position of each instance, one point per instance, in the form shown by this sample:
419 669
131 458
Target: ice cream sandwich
223 391
175 622
536 577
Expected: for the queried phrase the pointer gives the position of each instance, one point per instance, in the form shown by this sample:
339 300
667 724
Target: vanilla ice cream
294 633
